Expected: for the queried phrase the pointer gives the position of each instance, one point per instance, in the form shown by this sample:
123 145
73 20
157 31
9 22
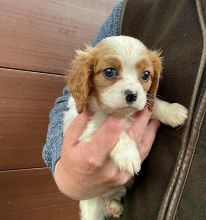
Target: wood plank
32 194
42 35
25 102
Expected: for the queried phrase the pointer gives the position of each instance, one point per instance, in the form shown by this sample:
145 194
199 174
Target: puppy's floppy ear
78 80
156 60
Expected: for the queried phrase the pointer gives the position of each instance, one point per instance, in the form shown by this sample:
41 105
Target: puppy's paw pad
113 209
178 115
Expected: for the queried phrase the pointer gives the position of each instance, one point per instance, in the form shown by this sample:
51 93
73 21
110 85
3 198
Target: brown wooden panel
42 35
25 102
32 194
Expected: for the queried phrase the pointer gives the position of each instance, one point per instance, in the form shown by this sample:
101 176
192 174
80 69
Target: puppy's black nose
130 96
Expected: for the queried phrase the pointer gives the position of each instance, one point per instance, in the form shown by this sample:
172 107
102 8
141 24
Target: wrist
63 181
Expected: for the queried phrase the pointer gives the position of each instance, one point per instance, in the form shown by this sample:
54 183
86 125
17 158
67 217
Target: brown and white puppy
118 77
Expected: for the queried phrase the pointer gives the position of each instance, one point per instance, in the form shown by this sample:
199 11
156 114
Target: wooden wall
37 42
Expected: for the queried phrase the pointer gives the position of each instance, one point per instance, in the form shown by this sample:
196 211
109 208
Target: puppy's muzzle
130 96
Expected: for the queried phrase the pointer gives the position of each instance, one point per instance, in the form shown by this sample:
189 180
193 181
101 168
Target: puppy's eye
145 75
110 73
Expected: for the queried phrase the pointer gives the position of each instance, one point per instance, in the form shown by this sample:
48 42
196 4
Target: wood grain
25 102
42 35
32 194
37 43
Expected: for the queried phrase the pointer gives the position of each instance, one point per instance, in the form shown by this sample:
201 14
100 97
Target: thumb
77 127
106 137
138 126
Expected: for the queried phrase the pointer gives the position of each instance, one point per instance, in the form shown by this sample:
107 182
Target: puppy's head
119 76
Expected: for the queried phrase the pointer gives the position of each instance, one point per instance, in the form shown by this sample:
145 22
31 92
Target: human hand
84 169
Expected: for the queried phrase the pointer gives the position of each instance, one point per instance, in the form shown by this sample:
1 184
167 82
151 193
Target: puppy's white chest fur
124 154
95 122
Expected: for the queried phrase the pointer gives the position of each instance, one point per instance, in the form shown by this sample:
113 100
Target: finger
138 126
141 120
106 137
77 127
149 137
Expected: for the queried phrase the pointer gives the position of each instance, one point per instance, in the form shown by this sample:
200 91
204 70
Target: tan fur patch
142 65
105 58
79 76
157 69
99 81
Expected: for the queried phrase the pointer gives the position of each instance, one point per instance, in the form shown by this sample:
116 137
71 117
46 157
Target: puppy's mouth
126 111
127 108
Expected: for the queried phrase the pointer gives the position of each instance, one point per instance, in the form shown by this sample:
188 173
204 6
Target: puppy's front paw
125 155
113 209
177 115
128 161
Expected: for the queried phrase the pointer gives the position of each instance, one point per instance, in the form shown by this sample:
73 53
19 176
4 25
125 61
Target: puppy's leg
92 209
127 158
125 154
172 114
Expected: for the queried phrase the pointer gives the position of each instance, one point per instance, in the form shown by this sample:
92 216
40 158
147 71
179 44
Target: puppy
118 77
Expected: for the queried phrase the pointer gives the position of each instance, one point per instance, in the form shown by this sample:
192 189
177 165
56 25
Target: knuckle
92 164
